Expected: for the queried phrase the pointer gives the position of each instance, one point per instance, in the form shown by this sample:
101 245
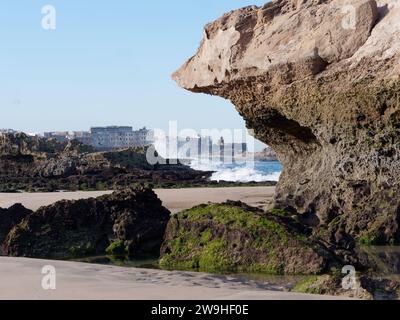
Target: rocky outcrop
11 217
266 155
366 287
235 237
38 164
18 144
130 222
332 285
318 80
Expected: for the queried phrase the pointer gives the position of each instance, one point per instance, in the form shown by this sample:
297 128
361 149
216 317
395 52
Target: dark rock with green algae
331 284
235 237
366 286
130 222
11 217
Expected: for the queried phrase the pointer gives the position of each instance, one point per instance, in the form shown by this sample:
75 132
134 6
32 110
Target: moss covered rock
117 248
235 237
130 222
331 284
10 217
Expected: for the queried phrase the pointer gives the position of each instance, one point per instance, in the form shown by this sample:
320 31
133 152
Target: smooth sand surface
22 278
174 199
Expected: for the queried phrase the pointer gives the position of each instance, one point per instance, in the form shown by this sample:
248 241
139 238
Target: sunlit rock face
317 80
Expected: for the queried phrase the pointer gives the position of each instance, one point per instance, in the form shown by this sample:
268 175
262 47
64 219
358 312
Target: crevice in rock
290 127
382 12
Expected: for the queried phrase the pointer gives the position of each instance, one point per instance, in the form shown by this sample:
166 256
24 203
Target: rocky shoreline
132 222
324 97
235 237
35 164
220 238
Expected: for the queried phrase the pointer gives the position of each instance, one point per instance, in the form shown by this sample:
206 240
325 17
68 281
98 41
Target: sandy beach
21 278
174 199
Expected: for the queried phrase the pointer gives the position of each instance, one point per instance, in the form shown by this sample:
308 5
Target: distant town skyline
106 63
140 136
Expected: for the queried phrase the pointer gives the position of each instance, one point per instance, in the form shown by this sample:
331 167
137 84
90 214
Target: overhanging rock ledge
318 80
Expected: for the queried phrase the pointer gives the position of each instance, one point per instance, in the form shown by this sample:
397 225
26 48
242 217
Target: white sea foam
236 173
244 175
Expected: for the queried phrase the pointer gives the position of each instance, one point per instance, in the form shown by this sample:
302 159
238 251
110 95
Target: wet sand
174 199
21 278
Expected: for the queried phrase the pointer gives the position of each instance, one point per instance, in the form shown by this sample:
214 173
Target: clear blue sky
108 62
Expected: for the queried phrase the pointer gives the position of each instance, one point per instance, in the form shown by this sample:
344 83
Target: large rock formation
318 80
11 217
235 237
130 222
38 164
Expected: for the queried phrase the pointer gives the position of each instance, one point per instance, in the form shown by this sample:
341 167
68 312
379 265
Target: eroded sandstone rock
318 80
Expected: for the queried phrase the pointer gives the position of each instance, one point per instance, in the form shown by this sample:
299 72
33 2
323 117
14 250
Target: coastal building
205 147
221 145
7 131
199 148
60 136
106 138
112 137
238 148
194 147
229 150
84 137
143 137
117 137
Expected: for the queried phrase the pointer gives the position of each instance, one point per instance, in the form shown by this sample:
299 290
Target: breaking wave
259 172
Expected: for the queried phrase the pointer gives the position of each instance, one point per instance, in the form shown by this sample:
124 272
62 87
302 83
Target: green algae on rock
11 217
130 222
366 287
329 285
235 237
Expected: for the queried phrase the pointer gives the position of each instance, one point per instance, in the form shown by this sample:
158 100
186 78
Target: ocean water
255 171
